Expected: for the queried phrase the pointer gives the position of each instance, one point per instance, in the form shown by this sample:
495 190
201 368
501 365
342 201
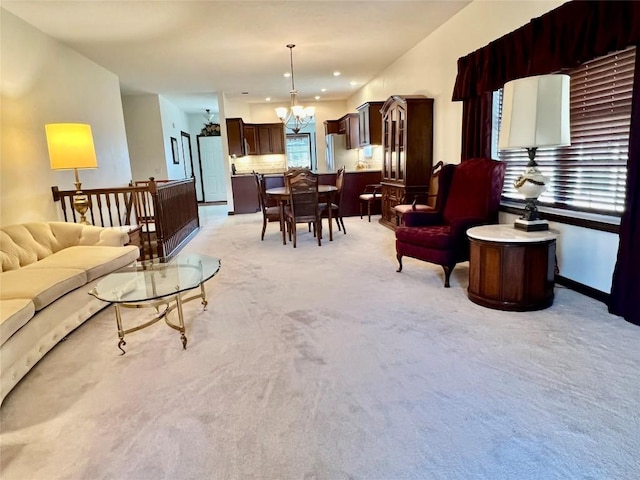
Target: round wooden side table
511 269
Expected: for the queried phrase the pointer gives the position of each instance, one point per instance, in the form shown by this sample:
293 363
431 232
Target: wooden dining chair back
303 204
270 213
421 202
337 201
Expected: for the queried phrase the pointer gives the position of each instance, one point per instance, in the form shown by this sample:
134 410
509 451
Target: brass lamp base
80 200
81 205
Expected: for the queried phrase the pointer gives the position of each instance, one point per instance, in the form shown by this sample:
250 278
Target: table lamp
535 113
71 147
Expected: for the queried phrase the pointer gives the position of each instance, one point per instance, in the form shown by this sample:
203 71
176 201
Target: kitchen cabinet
235 137
254 138
370 123
407 151
346 125
331 127
349 127
270 138
250 139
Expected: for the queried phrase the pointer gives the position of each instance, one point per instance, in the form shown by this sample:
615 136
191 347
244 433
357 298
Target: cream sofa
47 270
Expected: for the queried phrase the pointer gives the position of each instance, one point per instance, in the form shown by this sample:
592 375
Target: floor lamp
535 113
71 147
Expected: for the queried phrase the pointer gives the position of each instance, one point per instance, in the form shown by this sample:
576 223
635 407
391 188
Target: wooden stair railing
166 212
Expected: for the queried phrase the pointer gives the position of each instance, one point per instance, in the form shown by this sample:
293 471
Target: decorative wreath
211 130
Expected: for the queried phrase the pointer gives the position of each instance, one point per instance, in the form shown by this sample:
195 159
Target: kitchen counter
245 195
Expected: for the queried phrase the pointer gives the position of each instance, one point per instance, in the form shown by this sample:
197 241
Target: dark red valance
571 34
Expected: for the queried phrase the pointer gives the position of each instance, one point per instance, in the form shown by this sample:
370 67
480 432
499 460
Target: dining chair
371 195
303 204
429 197
270 213
335 204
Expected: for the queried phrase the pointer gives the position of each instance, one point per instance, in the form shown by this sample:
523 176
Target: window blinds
590 174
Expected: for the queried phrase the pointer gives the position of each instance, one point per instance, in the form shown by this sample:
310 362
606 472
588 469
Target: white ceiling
189 50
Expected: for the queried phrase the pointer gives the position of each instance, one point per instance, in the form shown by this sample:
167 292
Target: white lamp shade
535 112
282 112
70 146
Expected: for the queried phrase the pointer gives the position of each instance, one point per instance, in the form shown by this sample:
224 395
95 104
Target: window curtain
476 141
566 37
625 288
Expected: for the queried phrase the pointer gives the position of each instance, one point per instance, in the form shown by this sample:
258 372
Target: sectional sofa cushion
95 261
41 285
13 315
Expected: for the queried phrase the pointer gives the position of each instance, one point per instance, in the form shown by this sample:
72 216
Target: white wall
144 132
174 121
44 82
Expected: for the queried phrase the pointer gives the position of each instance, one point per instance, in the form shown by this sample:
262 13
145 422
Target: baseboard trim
584 289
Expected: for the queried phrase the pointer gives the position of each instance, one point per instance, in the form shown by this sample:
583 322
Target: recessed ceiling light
353 83
336 74
323 89
268 99
317 97
287 74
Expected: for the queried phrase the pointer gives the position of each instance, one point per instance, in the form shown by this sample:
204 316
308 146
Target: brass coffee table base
169 306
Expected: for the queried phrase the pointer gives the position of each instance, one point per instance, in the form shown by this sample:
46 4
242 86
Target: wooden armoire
407 146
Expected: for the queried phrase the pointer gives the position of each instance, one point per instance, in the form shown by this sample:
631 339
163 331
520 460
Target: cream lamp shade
70 146
535 112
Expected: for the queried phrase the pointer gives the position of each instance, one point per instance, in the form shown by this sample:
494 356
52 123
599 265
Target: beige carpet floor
324 363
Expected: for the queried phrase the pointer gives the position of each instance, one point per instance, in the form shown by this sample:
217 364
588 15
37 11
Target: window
590 174
299 150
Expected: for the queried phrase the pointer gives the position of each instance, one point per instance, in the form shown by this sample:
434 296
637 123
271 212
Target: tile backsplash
370 159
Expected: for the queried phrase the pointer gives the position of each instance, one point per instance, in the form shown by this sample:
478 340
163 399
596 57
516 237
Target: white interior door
213 179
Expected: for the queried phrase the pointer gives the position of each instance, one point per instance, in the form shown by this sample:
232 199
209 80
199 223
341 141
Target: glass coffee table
162 286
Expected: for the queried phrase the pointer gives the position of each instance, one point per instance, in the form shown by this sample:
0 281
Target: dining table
281 194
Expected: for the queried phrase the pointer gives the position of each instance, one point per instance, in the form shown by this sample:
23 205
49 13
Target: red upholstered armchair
468 195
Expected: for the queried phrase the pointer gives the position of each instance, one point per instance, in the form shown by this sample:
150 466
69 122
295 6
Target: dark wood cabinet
235 137
270 138
407 149
331 127
251 139
370 123
254 138
347 125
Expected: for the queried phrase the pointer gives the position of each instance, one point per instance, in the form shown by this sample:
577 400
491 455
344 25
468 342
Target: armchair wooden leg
344 230
399 257
369 210
447 274
360 210
264 227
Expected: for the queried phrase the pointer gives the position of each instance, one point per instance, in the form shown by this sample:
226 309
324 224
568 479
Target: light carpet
324 363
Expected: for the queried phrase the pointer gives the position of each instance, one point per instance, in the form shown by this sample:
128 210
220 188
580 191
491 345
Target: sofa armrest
421 219
103 236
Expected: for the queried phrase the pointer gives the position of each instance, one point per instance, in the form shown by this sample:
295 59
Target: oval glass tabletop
149 280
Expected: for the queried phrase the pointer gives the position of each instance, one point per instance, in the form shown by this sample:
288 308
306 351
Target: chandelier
296 117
